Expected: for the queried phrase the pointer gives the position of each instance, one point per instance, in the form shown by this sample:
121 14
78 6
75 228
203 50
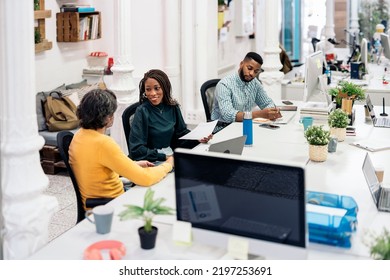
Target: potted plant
152 207
318 139
338 121
349 91
379 245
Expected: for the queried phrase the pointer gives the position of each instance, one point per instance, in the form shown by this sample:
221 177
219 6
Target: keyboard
382 122
244 225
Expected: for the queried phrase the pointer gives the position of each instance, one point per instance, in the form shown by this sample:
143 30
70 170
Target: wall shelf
78 27
40 16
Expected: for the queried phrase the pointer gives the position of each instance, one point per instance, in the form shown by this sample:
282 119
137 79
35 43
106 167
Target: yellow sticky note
238 248
181 232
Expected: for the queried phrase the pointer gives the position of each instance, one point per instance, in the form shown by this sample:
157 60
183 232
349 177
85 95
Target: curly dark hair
164 82
95 107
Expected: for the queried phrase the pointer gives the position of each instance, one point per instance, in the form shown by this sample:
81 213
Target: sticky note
238 248
181 232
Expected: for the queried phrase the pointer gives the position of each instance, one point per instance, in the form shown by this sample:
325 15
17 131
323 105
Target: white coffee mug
102 218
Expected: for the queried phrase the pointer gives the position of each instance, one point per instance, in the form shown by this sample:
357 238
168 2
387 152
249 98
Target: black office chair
64 138
127 118
207 91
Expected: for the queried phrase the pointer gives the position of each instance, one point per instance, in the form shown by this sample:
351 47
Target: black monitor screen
241 197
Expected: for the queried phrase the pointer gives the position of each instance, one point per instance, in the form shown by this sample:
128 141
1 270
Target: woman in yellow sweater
97 160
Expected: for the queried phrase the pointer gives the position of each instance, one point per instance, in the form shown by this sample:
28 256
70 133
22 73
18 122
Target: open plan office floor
341 174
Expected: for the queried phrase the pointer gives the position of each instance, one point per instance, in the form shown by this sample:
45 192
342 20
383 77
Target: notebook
380 192
376 121
231 146
285 119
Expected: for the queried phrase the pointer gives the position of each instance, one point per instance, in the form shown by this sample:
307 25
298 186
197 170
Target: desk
376 89
340 174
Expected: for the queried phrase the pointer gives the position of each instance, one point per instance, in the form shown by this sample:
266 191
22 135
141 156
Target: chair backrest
207 91
127 118
64 138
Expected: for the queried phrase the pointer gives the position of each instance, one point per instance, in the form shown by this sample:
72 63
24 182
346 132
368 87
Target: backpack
60 113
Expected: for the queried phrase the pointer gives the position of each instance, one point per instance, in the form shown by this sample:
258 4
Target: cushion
51 137
73 95
39 99
81 84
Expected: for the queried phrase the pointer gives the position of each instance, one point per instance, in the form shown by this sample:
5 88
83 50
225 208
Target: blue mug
306 121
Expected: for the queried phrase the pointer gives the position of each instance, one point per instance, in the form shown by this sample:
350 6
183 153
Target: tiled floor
61 187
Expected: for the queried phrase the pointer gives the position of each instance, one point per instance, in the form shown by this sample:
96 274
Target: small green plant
338 118
317 135
379 245
151 208
349 90
36 5
37 36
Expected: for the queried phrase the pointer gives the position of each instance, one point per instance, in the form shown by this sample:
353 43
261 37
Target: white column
329 25
199 54
354 23
272 76
171 44
187 55
26 211
123 82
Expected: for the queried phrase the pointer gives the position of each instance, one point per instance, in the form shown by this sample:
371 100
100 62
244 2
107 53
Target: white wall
65 61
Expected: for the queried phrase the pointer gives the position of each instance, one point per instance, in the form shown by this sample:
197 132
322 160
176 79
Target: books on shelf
89 27
77 9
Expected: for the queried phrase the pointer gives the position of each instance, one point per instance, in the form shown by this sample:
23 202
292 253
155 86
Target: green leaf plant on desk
379 245
338 121
152 207
318 139
347 90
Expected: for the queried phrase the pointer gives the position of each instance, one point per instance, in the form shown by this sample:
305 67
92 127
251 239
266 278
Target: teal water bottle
247 128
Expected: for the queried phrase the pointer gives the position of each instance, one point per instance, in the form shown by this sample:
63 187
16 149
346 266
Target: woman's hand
145 163
170 160
206 139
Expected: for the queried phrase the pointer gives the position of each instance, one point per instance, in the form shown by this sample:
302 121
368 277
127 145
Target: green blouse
156 127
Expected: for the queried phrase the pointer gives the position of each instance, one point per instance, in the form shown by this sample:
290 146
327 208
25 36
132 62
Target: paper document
325 210
373 145
201 131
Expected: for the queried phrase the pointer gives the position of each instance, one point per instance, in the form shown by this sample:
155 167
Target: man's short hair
255 56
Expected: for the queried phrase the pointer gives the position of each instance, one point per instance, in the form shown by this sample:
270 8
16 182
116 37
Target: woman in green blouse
158 123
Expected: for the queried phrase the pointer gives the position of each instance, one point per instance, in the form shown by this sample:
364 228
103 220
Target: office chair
127 118
207 93
64 138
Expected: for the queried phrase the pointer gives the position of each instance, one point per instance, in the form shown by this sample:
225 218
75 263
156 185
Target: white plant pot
318 153
339 133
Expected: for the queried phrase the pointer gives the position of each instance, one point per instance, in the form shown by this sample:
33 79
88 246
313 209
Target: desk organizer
332 229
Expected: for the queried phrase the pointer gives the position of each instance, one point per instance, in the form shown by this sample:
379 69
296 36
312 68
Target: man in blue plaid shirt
241 92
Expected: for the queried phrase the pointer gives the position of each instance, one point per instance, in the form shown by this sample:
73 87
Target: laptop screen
228 194
371 179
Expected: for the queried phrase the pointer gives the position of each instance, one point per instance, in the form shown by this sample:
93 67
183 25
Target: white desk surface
340 174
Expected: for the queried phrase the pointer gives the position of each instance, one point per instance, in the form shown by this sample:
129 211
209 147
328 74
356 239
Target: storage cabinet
40 33
76 27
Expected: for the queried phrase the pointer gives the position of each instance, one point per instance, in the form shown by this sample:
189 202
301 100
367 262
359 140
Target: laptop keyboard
382 122
384 200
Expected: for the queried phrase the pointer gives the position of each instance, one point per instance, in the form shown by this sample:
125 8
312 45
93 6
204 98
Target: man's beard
242 77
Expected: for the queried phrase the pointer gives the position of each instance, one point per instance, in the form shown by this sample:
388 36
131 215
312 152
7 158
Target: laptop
380 192
377 122
231 146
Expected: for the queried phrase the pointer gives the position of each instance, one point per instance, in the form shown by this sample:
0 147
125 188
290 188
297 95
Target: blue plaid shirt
232 95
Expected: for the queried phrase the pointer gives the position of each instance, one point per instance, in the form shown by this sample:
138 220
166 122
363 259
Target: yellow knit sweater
97 161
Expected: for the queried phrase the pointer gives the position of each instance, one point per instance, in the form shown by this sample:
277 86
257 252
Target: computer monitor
314 78
385 42
225 195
